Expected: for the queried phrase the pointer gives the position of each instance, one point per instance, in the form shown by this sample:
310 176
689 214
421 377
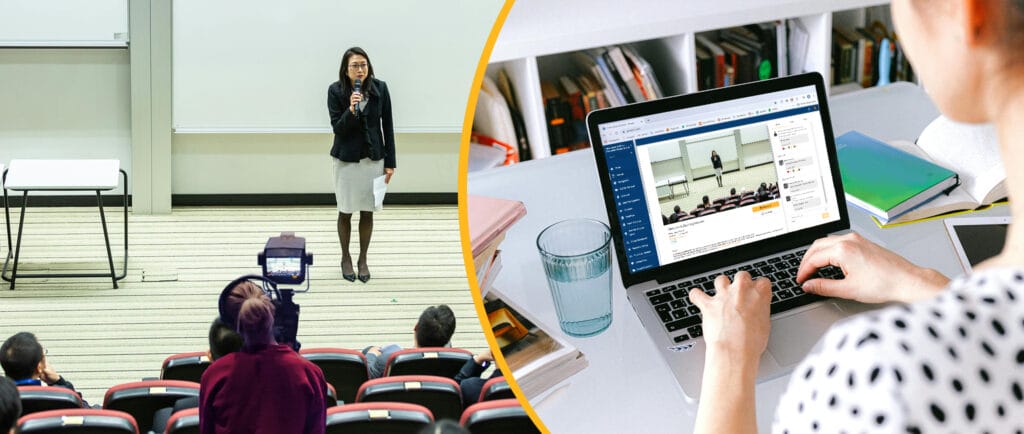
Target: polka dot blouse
952 364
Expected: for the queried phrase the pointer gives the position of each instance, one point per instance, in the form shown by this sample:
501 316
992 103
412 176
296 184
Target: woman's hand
388 171
873 274
354 100
736 329
736 319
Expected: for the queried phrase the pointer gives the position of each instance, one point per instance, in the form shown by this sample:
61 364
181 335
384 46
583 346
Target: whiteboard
265 65
63 22
754 133
699 152
665 151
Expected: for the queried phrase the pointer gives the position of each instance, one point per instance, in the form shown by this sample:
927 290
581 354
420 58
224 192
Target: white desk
63 175
628 387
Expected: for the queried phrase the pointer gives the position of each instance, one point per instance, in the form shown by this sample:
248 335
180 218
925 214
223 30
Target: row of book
742 54
867 56
499 132
606 77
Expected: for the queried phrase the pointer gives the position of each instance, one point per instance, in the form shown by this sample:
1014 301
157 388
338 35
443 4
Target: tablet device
976 239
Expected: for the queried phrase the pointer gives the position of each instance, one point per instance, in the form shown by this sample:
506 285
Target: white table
628 387
63 175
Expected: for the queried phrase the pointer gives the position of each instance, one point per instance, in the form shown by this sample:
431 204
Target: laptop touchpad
794 336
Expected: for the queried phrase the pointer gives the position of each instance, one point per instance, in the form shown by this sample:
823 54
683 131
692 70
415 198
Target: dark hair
705 200
20 355
223 340
435 327
10 404
732 191
444 426
676 209
253 309
346 84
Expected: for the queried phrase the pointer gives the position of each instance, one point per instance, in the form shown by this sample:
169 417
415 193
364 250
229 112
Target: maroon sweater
272 390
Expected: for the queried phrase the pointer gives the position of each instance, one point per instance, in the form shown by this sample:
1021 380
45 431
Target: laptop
780 190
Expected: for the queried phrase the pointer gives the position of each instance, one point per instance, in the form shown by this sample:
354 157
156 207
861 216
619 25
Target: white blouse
951 364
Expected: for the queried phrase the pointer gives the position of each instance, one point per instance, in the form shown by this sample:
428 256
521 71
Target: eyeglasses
358 66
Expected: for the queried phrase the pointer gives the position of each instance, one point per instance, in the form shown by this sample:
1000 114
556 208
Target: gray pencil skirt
353 184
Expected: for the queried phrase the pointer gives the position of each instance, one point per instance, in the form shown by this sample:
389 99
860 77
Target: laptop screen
692 181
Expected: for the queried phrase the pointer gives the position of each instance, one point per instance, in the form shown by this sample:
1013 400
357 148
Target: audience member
24 361
10 406
471 383
223 341
679 214
266 387
434 329
444 426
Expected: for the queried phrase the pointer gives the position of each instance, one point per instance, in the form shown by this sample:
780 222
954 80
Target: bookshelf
539 39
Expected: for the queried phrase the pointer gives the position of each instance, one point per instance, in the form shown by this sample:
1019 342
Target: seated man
10 406
679 214
470 379
434 329
24 361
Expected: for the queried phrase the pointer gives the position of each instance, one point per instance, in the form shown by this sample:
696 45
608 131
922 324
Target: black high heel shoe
351 277
364 277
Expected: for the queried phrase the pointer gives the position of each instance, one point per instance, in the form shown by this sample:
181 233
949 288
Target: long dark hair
346 84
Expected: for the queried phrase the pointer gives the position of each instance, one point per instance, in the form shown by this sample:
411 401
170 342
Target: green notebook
886 181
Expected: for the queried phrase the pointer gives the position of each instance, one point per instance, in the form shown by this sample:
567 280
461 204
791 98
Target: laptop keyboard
683 320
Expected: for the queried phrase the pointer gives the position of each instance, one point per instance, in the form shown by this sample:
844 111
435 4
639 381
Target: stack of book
867 55
952 168
538 359
742 54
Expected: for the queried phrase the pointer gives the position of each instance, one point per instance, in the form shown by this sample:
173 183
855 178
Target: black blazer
375 125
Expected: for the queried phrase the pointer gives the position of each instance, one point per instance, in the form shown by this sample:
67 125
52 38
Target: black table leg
106 238
21 229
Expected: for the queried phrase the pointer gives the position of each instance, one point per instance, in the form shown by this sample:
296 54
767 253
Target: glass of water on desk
577 262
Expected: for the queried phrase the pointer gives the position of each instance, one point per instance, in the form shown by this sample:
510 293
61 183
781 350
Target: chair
495 417
78 421
442 362
494 389
441 395
142 399
41 398
706 212
718 201
689 217
378 417
746 202
343 368
184 422
727 207
332 397
185 366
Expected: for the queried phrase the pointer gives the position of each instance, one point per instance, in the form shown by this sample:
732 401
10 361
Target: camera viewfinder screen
284 267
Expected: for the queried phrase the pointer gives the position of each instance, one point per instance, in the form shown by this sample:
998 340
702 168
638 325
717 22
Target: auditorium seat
142 399
746 202
378 417
332 396
441 395
185 366
689 217
706 212
184 422
43 398
78 421
496 388
343 368
497 417
442 362
719 201
727 207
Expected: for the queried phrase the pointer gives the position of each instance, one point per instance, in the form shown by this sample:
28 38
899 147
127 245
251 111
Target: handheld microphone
357 88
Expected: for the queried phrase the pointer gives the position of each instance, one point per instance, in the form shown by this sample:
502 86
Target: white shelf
538 36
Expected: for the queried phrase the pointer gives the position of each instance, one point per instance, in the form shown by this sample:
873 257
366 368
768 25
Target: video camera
284 261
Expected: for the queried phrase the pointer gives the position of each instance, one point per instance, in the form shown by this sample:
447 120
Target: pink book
489 219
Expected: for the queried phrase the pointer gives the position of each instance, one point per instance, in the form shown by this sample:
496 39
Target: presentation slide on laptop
704 179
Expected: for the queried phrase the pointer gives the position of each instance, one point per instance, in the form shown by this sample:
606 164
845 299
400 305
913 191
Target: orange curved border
467 251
